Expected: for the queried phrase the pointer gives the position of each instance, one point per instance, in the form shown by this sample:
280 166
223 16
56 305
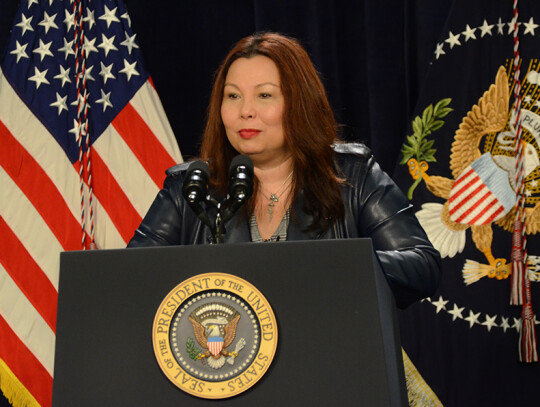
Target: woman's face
252 109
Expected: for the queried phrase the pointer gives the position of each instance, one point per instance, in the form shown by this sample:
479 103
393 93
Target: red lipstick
248 133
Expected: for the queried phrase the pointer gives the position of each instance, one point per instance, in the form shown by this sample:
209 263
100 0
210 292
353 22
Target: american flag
84 145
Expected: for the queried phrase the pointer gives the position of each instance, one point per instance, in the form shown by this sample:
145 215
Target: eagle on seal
215 335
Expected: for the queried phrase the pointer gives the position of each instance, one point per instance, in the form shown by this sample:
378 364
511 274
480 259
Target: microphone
195 192
195 189
240 185
241 178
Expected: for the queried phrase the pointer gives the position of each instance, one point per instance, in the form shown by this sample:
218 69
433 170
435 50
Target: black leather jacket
374 207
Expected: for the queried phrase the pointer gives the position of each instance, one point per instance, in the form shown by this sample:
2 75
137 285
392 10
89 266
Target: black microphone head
241 160
201 166
195 184
241 178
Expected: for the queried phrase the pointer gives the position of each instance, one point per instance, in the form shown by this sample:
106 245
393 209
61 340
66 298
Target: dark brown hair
308 122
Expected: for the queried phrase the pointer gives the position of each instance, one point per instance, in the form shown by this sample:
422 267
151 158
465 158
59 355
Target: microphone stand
230 206
219 230
195 188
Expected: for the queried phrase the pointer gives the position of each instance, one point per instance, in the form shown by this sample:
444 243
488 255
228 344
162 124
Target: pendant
271 207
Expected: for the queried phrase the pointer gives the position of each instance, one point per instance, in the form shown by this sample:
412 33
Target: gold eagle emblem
482 190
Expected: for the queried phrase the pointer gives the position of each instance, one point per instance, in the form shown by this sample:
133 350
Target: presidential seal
214 335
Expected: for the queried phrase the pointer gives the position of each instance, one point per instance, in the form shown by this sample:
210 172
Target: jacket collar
237 229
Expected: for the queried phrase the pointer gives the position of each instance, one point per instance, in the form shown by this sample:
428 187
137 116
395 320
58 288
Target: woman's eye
232 96
265 95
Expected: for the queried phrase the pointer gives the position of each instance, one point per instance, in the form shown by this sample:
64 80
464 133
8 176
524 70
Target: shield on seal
481 194
215 345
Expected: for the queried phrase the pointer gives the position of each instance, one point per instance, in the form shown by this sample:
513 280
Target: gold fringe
420 394
13 389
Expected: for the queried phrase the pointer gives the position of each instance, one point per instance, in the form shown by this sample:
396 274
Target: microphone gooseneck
208 210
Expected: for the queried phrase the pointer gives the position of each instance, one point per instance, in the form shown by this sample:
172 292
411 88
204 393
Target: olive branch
418 148
192 350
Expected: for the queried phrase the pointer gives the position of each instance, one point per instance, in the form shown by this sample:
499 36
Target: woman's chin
250 152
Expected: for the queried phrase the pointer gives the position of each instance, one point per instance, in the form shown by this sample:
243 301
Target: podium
338 337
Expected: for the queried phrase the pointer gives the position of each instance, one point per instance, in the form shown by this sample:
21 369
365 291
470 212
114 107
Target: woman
268 103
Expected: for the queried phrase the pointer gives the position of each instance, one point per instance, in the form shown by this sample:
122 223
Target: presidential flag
84 143
469 344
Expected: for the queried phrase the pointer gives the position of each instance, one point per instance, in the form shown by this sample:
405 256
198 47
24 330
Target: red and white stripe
215 347
40 216
471 202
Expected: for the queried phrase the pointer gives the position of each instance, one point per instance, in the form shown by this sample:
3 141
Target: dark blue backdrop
372 56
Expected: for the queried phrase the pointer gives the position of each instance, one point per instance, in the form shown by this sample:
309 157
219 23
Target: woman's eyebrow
257 86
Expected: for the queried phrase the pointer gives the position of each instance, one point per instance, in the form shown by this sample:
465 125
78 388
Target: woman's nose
247 110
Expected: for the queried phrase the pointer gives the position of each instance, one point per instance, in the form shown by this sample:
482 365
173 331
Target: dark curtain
372 56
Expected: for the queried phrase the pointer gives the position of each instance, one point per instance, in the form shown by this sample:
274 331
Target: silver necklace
274 197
